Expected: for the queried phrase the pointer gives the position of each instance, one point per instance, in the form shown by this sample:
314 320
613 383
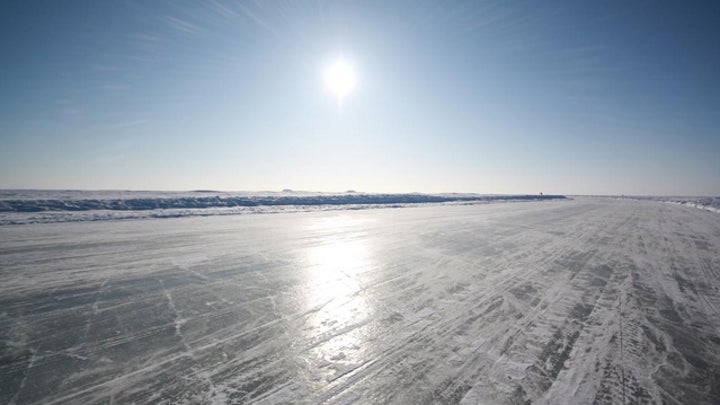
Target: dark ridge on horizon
184 202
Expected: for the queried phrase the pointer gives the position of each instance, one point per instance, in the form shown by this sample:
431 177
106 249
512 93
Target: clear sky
603 97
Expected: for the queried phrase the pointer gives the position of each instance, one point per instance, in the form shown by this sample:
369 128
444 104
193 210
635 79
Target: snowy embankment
705 203
40 206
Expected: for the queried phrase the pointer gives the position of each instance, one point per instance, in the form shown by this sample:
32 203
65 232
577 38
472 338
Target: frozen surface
583 301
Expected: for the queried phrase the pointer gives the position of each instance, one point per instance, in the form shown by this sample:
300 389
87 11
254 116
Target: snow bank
705 203
41 206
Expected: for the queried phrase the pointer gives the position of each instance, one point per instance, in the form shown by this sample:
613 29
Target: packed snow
552 302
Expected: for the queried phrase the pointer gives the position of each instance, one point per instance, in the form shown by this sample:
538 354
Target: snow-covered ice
575 301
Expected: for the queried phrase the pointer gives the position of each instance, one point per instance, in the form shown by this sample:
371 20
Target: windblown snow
577 301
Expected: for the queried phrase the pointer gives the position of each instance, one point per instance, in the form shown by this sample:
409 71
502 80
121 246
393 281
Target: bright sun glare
340 79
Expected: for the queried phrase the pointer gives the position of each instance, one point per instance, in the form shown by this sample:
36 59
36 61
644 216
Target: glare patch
336 302
334 266
340 80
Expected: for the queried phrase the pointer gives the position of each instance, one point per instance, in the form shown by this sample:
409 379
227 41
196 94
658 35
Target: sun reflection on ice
338 309
333 269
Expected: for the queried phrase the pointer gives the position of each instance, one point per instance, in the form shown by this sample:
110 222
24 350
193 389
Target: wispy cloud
182 25
256 19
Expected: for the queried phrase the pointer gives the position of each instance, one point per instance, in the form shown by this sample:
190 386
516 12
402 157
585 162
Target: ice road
584 301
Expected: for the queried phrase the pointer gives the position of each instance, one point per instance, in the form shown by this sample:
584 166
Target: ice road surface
583 301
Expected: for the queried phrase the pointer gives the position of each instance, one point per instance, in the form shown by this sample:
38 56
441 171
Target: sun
340 79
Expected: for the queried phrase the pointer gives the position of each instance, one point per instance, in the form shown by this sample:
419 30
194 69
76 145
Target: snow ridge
38 206
217 201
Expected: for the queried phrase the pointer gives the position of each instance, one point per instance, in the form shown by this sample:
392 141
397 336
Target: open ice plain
584 301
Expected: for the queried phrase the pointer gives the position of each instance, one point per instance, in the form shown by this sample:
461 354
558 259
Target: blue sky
568 97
